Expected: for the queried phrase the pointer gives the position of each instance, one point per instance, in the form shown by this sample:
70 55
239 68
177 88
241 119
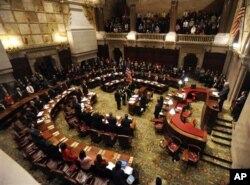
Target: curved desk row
210 109
152 85
187 133
50 132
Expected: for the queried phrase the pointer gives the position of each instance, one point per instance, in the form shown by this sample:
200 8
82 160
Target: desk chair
109 139
174 145
125 141
193 154
94 135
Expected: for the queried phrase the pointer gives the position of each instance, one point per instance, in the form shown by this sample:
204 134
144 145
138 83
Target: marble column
99 19
132 17
173 15
224 16
227 61
81 34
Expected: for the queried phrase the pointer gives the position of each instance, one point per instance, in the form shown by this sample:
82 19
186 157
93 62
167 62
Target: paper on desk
40 114
110 166
128 170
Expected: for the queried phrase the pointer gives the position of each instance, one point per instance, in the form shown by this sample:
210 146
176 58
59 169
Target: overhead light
186 79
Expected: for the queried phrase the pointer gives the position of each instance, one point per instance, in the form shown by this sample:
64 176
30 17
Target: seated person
100 166
85 162
38 103
126 122
30 89
67 155
46 98
19 94
8 100
111 119
97 120
118 175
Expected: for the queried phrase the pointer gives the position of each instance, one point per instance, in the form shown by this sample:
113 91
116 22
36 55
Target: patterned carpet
149 159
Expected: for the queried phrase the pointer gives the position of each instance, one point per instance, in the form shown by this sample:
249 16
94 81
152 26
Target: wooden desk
188 134
210 109
56 137
152 85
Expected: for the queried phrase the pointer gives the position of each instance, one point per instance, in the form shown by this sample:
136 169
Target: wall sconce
11 43
61 39
186 79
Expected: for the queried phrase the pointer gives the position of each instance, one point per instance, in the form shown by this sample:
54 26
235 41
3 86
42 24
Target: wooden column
173 15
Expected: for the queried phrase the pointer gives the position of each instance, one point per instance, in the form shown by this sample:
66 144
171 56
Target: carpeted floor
149 159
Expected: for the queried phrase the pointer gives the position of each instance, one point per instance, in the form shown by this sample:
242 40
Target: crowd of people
152 23
192 22
118 24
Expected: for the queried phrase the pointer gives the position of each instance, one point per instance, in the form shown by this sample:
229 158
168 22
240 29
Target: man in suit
223 95
143 103
118 99
126 122
239 104
158 108
111 119
85 88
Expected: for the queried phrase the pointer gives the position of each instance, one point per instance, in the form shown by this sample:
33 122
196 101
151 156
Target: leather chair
174 145
109 139
125 141
94 135
193 154
83 130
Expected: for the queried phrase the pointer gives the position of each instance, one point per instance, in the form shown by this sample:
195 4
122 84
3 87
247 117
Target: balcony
181 38
159 37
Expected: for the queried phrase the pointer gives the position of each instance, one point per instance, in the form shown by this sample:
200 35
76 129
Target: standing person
118 175
118 99
239 104
85 88
223 95
85 161
123 95
158 108
143 102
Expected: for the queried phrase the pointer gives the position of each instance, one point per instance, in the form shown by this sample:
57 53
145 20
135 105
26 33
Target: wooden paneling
65 58
103 51
154 55
21 67
214 61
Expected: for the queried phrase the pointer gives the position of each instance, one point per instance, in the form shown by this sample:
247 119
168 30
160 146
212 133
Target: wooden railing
181 38
195 38
116 36
151 36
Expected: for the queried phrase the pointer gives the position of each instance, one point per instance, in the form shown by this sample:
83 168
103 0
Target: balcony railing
195 38
151 36
116 36
159 37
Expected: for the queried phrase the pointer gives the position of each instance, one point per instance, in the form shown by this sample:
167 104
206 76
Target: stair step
223 129
221 141
221 135
224 124
224 120
216 162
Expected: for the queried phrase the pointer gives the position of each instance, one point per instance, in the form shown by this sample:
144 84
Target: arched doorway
190 63
117 54
45 66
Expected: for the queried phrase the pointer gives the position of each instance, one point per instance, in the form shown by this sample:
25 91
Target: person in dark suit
85 88
223 95
158 108
239 104
111 119
143 102
39 103
118 99
118 175
19 94
78 108
97 120
126 122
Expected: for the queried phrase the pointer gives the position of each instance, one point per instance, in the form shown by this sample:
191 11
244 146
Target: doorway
190 63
